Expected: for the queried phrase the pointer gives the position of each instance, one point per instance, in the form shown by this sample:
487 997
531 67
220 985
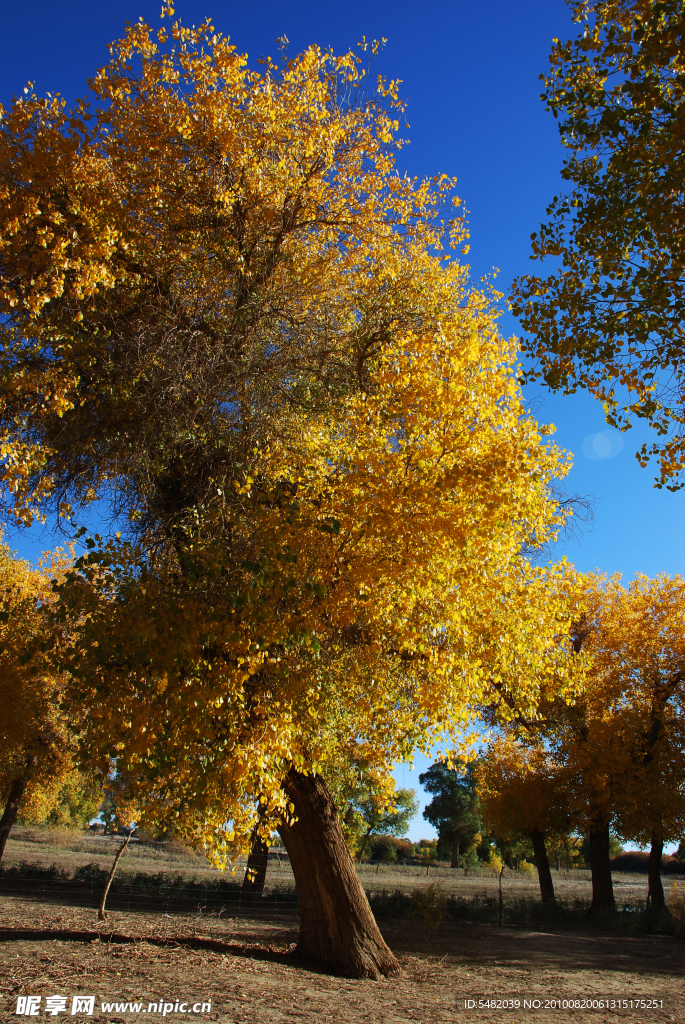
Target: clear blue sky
470 73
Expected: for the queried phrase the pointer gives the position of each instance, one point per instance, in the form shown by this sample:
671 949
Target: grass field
176 931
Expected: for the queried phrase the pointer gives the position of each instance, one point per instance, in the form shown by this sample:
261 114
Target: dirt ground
245 968
254 980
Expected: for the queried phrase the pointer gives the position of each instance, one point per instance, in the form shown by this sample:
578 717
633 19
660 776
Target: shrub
637 861
389 849
430 904
91 874
494 862
676 905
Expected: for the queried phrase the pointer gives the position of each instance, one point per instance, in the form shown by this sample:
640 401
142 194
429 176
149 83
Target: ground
245 967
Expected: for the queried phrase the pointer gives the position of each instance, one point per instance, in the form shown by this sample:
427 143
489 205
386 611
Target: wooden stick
101 912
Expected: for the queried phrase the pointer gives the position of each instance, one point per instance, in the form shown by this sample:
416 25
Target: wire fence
144 893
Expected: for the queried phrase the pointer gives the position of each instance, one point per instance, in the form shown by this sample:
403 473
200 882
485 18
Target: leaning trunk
11 810
102 913
255 873
337 928
537 838
600 866
656 889
455 851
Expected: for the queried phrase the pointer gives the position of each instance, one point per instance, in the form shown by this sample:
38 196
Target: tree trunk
455 850
255 873
656 889
600 866
11 810
102 913
337 928
537 838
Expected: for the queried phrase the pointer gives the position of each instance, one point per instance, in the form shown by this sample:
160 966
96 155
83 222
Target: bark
11 810
656 889
255 873
337 928
102 914
600 866
537 838
455 850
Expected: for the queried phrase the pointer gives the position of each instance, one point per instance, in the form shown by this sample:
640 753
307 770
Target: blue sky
470 74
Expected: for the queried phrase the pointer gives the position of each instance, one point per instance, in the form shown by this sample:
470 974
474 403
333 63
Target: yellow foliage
232 318
36 743
494 862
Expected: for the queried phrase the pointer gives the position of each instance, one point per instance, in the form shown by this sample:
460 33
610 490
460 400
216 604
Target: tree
611 315
453 811
228 317
37 745
77 801
620 742
385 816
640 649
523 793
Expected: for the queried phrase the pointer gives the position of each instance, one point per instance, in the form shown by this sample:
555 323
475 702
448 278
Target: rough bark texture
455 850
600 866
337 928
656 889
537 838
255 874
11 810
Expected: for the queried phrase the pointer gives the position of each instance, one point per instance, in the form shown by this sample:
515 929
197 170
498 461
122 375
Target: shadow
119 938
488 945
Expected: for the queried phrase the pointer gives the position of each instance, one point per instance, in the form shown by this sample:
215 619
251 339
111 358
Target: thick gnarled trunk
656 889
337 928
255 873
11 810
537 838
600 866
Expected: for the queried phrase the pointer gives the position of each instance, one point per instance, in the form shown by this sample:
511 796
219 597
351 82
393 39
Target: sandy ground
253 979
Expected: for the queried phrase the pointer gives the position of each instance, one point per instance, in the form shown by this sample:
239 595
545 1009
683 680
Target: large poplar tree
231 321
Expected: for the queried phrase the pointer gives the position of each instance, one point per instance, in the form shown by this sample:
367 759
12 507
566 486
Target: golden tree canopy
230 318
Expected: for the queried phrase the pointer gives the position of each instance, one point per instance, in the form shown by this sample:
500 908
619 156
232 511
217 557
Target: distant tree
75 803
620 741
37 741
523 796
615 847
453 811
385 816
